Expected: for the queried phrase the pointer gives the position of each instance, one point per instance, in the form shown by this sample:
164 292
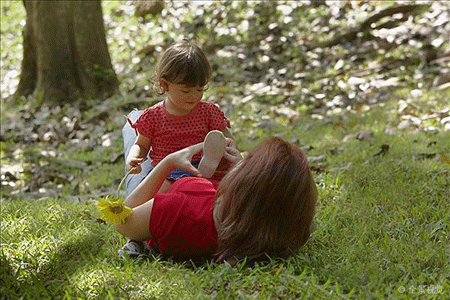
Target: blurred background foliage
279 67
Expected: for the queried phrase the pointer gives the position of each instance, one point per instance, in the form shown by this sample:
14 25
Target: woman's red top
181 222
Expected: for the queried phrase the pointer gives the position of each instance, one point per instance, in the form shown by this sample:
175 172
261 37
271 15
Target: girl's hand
134 164
231 142
182 158
232 154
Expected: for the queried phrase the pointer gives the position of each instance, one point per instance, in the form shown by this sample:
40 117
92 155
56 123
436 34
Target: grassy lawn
383 225
382 232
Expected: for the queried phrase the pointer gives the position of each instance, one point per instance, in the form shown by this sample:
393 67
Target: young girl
178 121
262 208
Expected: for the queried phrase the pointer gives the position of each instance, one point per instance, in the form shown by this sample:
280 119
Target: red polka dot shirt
169 133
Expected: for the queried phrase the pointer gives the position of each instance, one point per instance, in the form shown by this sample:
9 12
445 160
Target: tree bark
28 76
65 55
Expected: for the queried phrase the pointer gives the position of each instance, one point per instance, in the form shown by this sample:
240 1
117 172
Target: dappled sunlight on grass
367 113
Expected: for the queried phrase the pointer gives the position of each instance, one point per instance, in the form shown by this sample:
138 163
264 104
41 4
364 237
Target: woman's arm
136 226
147 189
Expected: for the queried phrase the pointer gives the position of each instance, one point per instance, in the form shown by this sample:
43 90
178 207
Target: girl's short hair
182 63
266 204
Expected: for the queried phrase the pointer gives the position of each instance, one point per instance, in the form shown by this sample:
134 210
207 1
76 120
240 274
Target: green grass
382 233
382 221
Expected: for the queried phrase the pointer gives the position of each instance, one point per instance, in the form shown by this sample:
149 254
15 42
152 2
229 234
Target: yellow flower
113 211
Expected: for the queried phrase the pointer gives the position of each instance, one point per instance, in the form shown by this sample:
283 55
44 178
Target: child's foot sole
213 150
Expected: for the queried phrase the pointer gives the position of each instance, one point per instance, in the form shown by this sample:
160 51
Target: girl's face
181 98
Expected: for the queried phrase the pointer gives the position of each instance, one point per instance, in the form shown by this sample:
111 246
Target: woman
263 207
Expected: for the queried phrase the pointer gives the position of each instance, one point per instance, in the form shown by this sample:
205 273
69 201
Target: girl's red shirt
169 133
181 222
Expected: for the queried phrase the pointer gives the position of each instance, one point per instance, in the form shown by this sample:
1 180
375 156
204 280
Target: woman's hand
151 184
182 158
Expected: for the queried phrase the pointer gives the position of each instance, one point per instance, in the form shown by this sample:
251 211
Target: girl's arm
138 153
147 189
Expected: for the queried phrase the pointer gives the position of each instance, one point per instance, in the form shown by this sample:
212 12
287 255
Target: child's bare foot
213 150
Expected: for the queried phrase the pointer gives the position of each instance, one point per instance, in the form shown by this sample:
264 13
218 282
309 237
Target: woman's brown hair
265 205
182 63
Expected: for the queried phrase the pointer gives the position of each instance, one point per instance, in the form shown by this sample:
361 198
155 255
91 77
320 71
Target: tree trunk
65 55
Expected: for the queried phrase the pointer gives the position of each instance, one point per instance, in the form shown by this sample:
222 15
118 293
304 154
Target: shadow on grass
8 278
50 277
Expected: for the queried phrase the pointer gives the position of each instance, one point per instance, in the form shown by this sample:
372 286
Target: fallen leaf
364 135
383 150
84 214
340 169
337 150
274 271
444 159
315 159
421 156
